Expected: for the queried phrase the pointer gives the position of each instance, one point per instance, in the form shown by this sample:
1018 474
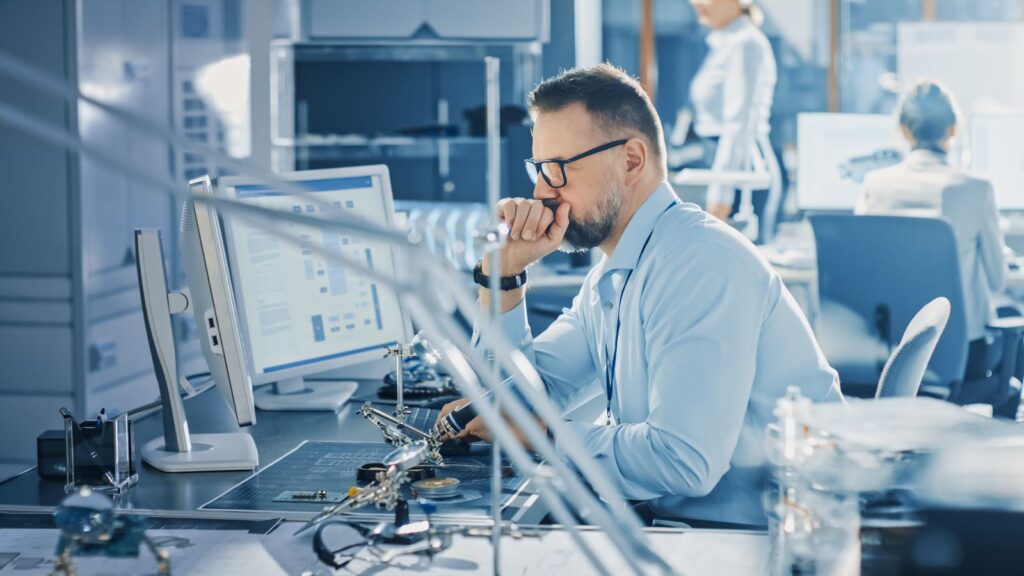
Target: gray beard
583 235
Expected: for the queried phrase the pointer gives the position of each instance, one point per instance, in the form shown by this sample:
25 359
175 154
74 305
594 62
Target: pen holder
100 454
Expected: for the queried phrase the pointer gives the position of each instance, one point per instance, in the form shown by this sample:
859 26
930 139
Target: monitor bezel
232 363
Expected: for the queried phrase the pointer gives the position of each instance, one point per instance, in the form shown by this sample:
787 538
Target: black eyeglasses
556 178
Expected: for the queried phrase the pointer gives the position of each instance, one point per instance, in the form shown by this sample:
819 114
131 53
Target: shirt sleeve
701 346
736 138
561 354
992 244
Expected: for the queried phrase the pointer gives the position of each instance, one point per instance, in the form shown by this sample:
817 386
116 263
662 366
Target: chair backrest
906 366
886 268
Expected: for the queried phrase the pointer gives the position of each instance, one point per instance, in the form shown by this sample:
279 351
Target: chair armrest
1007 324
939 392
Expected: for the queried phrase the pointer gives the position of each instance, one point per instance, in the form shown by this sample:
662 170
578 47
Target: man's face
593 184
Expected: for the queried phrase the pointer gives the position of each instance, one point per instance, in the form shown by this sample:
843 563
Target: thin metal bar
492 65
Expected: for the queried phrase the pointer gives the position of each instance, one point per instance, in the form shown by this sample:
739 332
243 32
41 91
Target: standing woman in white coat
731 95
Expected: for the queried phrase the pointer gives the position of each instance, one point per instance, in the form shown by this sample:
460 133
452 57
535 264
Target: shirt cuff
514 326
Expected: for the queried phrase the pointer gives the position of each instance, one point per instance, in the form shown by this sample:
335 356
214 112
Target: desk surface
275 434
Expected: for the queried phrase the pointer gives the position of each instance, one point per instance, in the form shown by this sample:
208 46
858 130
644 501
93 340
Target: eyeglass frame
538 164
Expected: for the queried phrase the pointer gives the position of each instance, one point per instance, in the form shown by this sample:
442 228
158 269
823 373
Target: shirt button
608 305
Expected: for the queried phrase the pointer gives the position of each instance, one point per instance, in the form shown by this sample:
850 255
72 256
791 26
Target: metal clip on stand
399 352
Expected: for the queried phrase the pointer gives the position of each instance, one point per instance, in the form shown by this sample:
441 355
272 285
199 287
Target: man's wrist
510 282
507 268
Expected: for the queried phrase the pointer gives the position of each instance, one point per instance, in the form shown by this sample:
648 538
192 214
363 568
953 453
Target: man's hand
477 429
534 232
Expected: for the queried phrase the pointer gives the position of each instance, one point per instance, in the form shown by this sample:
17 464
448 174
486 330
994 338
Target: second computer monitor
301 311
997 155
835 151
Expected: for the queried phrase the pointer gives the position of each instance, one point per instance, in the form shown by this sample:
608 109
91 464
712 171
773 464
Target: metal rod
385 416
492 65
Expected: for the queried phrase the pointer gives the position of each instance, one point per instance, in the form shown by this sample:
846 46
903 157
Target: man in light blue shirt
682 325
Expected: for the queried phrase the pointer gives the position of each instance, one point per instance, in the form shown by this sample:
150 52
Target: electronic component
310 496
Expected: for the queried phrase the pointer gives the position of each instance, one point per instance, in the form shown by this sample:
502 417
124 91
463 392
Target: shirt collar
627 253
926 156
718 37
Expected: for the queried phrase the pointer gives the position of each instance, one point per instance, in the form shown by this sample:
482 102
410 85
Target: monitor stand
177 450
296 394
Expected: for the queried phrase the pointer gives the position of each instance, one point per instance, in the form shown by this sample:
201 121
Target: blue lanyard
609 366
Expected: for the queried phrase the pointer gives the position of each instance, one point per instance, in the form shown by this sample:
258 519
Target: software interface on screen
997 155
836 151
297 307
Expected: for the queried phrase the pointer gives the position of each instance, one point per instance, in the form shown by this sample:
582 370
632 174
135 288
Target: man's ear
637 154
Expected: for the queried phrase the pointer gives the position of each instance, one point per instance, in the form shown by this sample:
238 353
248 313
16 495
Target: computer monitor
835 151
213 303
300 312
997 155
210 299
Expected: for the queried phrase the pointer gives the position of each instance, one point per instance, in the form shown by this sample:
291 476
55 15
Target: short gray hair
611 95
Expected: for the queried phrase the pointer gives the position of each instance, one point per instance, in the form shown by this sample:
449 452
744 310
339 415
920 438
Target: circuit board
331 467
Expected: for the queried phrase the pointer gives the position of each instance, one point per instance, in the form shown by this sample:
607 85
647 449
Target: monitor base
317 396
210 453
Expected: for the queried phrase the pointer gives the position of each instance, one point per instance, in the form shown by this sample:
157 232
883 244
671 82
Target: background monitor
978 62
300 313
997 155
835 151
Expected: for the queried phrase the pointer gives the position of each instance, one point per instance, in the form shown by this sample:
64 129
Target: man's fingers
546 218
474 430
449 407
531 230
519 222
561 223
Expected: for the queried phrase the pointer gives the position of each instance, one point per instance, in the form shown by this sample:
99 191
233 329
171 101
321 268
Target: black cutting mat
332 466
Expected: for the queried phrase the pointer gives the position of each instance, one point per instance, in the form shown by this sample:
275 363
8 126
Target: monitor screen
301 312
835 151
998 156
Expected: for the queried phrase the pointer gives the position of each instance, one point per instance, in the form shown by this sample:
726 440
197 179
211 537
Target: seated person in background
683 327
924 184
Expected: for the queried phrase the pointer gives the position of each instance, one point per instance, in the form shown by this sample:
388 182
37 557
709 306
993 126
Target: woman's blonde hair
753 13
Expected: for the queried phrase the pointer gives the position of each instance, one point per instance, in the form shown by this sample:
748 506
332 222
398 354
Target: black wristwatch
507 282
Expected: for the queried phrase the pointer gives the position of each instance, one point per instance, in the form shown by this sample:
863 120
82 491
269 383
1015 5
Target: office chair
874 274
904 371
